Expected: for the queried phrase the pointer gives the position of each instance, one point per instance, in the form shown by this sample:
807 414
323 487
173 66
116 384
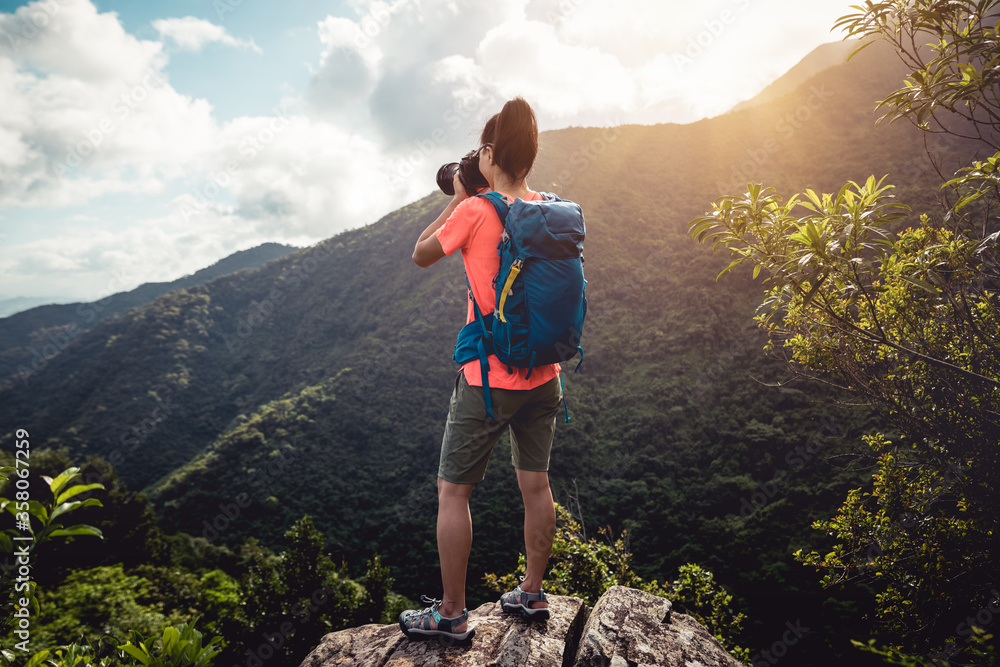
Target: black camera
468 173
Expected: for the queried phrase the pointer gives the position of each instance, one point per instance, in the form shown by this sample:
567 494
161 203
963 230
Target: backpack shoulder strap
499 203
475 340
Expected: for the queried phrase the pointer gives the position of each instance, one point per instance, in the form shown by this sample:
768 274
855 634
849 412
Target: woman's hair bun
514 138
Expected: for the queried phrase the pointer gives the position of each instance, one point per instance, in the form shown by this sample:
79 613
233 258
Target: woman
526 405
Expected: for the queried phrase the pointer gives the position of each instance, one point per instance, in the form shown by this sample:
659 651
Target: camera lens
446 178
469 174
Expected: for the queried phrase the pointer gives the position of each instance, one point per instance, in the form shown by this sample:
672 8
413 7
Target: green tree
908 320
39 521
954 85
221 594
291 600
586 568
695 592
378 587
95 602
105 592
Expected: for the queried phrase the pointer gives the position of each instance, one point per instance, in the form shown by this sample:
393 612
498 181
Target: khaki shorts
469 436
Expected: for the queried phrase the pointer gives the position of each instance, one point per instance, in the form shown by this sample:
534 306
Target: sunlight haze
143 141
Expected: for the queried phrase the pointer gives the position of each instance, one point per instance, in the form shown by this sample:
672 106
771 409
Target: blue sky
141 141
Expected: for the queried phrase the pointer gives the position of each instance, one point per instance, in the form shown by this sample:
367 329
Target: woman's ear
486 165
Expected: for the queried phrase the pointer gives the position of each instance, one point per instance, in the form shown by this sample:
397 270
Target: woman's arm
428 249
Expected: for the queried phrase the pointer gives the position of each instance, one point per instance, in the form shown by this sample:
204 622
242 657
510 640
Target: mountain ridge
318 384
821 58
26 334
18 304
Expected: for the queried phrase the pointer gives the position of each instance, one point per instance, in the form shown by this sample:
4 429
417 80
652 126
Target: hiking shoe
520 601
416 624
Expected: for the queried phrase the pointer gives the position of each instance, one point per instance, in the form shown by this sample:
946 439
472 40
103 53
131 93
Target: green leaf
56 485
75 504
859 49
170 637
74 490
966 200
812 292
78 529
814 198
37 510
922 284
141 656
38 658
731 265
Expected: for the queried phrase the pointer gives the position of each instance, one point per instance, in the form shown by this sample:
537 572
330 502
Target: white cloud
291 177
88 110
347 71
90 114
192 34
578 62
70 39
90 263
565 81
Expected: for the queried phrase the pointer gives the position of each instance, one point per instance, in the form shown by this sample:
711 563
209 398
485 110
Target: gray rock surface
627 628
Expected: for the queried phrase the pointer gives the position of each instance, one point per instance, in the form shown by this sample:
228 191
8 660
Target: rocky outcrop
629 627
626 628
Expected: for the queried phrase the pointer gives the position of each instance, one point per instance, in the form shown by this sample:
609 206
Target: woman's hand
460 193
428 249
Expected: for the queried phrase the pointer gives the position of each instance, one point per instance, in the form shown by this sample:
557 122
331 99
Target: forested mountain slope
30 337
319 383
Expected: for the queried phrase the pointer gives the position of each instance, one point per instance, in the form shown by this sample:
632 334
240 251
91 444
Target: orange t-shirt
475 228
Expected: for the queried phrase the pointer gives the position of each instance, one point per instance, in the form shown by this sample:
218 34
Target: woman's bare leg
539 528
454 538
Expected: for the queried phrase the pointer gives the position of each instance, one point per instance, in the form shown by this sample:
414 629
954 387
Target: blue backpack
541 299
